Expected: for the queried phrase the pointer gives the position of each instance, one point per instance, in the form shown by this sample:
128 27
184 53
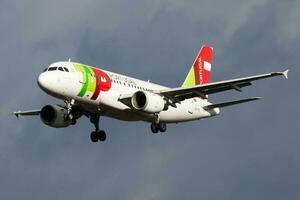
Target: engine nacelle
148 102
55 116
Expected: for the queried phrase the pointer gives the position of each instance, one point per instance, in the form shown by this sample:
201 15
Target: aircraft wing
29 112
176 95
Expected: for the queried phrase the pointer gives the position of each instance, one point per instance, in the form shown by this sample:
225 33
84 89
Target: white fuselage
74 84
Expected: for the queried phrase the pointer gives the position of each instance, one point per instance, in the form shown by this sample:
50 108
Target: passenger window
60 68
66 69
52 68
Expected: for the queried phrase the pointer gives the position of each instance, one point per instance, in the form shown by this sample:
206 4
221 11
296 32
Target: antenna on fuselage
69 60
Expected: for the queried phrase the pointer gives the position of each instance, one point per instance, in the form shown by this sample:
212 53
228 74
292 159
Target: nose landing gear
74 113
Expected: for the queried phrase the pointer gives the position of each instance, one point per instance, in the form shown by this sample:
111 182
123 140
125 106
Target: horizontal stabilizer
29 112
285 73
230 103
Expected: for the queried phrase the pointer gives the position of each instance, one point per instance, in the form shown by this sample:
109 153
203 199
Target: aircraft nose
42 81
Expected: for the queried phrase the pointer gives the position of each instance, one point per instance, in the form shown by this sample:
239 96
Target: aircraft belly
125 115
186 111
122 115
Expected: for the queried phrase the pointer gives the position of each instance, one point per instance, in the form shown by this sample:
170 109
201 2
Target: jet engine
148 102
55 116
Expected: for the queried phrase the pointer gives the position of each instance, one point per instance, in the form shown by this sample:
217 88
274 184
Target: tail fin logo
202 65
200 71
207 66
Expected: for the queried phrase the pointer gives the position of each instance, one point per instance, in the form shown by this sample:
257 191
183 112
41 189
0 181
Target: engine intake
148 102
55 116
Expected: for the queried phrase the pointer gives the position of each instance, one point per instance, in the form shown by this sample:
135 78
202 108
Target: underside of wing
126 99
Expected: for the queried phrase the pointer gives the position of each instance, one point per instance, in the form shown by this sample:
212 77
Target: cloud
249 151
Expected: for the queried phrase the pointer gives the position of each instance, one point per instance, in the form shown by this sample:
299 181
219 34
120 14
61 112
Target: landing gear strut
97 134
69 104
156 127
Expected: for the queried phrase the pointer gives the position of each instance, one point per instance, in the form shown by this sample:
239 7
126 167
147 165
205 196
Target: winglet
285 73
17 114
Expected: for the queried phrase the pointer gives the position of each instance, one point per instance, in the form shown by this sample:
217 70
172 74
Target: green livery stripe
88 79
91 87
190 79
81 69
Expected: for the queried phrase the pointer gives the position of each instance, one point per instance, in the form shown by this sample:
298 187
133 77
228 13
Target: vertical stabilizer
200 71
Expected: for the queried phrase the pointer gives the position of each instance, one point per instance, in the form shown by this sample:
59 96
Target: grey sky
250 151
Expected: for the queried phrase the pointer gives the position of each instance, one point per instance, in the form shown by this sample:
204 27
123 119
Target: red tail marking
202 65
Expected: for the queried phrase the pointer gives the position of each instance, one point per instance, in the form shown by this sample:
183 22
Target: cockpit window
45 69
66 69
52 68
60 68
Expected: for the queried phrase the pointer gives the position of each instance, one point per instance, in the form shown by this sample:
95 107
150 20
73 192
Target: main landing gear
155 127
74 112
97 135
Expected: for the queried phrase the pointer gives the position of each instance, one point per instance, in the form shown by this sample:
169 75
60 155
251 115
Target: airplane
93 92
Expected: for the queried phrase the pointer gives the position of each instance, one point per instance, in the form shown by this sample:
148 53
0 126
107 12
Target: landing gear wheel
162 127
102 136
154 128
94 136
97 135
